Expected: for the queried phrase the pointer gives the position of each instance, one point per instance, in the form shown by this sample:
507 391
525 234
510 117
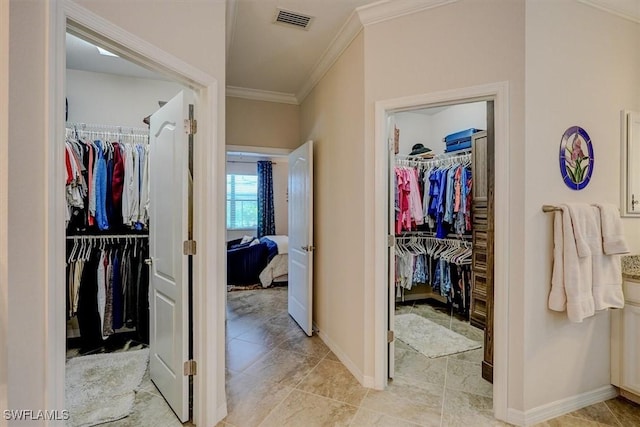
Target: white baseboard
366 381
221 412
560 407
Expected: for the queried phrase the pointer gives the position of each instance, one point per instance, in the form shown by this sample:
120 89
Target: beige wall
26 220
262 123
463 44
591 73
332 116
197 36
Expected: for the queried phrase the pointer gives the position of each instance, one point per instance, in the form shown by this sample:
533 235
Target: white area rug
101 387
429 338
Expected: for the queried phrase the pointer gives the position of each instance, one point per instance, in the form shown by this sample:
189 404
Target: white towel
613 240
586 228
558 296
570 289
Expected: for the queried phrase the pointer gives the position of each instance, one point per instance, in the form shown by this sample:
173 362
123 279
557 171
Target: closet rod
109 236
413 161
435 239
91 127
432 234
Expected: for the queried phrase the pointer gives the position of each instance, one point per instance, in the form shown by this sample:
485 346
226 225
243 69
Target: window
242 201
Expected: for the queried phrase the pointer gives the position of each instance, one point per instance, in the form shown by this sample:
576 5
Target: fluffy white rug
429 338
101 387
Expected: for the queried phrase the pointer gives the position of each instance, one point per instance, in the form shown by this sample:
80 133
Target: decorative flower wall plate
576 158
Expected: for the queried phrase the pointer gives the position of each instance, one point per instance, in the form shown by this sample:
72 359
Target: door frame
499 93
209 398
4 197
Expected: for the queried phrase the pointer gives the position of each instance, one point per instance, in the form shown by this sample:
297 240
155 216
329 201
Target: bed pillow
272 248
240 245
246 239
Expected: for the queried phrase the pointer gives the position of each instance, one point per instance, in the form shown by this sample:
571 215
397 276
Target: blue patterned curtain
266 217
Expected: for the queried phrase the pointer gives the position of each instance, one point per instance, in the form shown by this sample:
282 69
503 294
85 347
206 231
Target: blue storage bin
462 134
459 140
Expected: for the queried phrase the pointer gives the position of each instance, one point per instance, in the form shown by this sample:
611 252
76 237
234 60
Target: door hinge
190 126
391 241
190 368
189 247
390 336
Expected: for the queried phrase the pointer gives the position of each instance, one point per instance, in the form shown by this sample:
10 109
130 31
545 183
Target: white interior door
168 288
301 236
391 348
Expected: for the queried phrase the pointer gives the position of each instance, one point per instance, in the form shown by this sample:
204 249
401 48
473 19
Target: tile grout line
446 374
293 388
444 391
613 413
359 408
276 407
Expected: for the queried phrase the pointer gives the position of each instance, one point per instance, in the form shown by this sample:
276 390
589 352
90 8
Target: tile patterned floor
276 376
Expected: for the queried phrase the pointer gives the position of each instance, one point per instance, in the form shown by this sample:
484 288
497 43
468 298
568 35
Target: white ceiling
82 55
282 63
278 58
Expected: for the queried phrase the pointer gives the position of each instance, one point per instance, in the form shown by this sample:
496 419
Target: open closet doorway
440 215
128 195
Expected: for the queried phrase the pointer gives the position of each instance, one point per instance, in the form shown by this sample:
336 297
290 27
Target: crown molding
261 95
340 42
385 10
629 9
364 15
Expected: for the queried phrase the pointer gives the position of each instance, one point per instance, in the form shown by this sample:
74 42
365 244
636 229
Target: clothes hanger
73 251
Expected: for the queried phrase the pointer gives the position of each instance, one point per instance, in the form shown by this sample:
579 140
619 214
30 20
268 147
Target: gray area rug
429 338
101 387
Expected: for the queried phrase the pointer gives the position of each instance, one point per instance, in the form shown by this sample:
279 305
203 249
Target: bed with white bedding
278 268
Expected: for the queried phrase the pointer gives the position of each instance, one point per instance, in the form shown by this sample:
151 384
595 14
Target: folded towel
558 296
586 228
585 278
571 277
613 241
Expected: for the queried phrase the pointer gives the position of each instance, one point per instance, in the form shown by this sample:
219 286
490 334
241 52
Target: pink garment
403 219
415 201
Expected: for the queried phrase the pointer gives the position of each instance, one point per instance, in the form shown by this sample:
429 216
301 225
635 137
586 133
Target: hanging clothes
107 184
107 289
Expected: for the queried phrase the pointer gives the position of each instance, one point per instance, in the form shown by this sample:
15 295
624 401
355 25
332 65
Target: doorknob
308 248
148 261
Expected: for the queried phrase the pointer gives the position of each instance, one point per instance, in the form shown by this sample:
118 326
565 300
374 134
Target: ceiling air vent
286 17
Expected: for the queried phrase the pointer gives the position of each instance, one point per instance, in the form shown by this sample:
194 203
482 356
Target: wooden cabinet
480 216
625 343
481 314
